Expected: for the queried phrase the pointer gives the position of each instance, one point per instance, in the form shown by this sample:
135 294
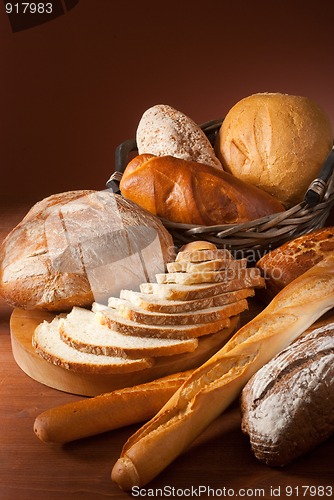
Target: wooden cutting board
22 326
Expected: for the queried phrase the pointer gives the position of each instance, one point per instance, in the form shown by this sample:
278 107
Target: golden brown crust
193 193
46 258
290 260
214 385
108 411
277 142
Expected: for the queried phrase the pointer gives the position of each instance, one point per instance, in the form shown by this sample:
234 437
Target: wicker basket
250 239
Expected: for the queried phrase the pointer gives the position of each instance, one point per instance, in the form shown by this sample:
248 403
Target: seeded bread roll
277 142
163 130
288 405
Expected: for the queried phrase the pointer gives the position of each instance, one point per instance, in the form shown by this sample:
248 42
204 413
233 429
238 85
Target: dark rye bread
288 405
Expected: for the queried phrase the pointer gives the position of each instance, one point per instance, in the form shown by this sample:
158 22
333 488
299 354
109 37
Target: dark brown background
72 89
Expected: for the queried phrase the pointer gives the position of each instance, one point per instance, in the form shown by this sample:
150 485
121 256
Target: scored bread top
162 131
167 291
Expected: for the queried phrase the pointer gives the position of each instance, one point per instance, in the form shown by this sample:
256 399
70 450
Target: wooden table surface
219 463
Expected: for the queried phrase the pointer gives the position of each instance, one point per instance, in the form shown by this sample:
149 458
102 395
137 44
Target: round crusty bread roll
79 246
277 142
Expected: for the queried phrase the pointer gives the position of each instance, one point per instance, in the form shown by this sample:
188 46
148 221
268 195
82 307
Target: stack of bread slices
199 298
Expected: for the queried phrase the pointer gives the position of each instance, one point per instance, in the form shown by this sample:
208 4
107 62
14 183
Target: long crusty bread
106 412
148 301
214 385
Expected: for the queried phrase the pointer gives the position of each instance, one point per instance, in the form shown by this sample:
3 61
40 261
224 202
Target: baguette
214 385
106 412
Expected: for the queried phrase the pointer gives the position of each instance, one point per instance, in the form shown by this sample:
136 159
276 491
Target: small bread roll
277 142
164 130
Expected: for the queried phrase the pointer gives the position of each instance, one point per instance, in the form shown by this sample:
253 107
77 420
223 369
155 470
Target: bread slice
115 321
48 344
251 279
202 255
209 315
194 278
210 265
148 301
81 330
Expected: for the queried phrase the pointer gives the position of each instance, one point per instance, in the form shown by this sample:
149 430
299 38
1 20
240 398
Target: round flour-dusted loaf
163 130
288 405
79 246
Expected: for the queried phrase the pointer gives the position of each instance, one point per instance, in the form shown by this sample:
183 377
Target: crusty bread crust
195 193
214 385
106 412
277 142
293 258
64 252
287 406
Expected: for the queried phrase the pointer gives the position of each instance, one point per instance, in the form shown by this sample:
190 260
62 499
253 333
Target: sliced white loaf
208 315
210 265
81 330
49 345
203 254
148 301
112 319
173 291
194 278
